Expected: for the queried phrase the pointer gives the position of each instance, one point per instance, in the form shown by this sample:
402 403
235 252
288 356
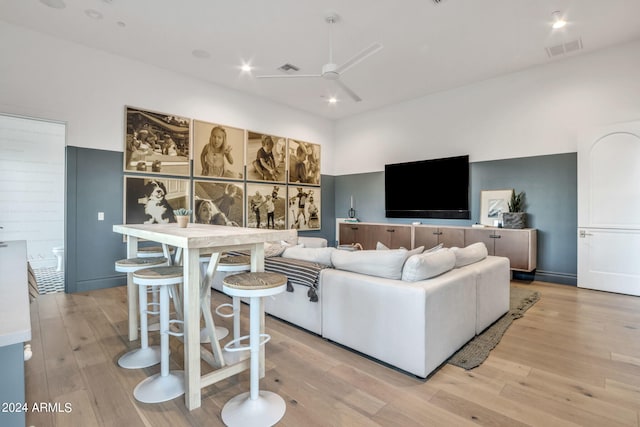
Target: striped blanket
298 272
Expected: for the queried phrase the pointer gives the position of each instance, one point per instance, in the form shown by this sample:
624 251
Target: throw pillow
435 248
386 264
427 265
381 247
273 249
473 253
319 255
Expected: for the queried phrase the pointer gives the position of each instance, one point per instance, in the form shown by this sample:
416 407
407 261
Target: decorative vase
183 220
514 219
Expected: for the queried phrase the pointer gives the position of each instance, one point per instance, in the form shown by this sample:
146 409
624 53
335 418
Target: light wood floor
573 359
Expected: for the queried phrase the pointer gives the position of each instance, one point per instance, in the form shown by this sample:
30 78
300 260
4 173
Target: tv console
519 245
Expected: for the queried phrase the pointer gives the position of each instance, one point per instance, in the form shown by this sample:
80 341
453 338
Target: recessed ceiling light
201 54
558 20
93 14
246 68
56 4
333 100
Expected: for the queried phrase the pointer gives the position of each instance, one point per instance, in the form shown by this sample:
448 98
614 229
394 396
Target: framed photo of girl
304 162
218 202
266 206
156 143
266 157
152 200
219 151
304 208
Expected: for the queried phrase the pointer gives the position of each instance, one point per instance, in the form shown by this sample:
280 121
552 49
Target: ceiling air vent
564 48
437 1
288 68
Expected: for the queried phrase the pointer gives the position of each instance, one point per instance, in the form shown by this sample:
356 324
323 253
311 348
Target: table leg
132 291
191 301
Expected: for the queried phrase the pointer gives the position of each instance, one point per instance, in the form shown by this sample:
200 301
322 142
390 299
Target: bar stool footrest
264 338
219 312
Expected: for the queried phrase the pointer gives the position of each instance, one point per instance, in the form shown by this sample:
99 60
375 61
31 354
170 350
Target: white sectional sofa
412 325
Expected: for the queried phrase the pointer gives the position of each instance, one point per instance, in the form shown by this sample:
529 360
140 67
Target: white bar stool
255 407
165 385
152 251
146 355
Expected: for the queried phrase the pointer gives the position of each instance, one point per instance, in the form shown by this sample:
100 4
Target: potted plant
516 217
182 216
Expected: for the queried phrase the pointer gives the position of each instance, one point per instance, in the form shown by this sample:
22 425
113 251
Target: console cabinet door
351 233
425 236
392 236
450 237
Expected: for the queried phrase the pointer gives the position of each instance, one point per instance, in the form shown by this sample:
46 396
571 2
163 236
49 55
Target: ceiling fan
331 70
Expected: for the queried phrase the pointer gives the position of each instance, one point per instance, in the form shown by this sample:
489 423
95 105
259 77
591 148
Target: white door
609 209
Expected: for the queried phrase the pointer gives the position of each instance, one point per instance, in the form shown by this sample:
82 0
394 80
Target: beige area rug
477 350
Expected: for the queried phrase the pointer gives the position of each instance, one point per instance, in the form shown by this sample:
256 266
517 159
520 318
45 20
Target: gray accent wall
94 184
550 186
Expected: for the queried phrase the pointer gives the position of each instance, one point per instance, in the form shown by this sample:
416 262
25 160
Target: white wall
44 77
538 111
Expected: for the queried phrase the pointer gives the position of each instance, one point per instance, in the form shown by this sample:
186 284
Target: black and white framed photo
152 200
266 157
304 162
156 143
218 203
304 208
266 206
492 204
219 151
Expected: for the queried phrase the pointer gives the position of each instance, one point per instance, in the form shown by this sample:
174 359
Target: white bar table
192 239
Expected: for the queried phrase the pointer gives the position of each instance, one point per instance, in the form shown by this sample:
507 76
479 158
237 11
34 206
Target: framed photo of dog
156 143
152 200
218 202
304 162
266 157
304 208
219 151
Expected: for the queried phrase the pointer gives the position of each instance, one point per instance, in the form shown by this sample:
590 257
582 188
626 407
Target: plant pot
514 219
182 220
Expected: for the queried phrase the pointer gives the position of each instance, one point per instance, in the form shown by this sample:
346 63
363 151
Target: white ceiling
429 45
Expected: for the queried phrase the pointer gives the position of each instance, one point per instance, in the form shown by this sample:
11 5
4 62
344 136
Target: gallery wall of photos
225 175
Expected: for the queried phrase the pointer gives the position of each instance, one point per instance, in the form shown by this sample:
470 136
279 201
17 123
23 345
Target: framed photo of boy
266 157
219 151
304 162
152 200
492 204
156 143
304 208
266 206
218 202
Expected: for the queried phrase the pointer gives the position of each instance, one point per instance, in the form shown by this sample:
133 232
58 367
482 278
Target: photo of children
304 208
266 157
218 203
266 206
219 150
304 162
156 143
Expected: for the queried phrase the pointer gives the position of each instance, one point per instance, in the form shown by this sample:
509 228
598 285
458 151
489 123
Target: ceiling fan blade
366 52
287 76
349 92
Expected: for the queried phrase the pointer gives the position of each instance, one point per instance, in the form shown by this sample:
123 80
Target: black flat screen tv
437 188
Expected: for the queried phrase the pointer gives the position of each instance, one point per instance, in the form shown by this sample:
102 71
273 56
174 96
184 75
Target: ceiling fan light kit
331 70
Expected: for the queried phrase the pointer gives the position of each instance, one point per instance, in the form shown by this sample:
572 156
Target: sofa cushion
468 255
319 255
386 264
429 264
